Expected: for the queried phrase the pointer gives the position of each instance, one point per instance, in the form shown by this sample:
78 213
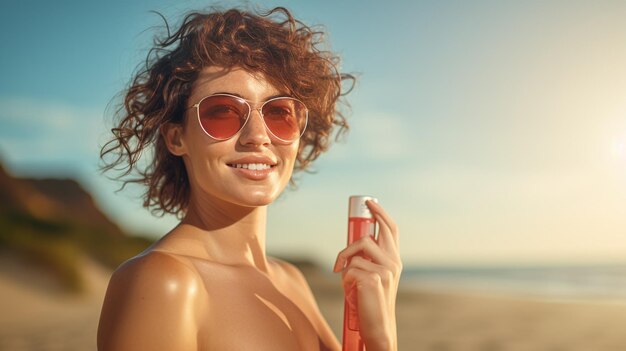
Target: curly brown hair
286 51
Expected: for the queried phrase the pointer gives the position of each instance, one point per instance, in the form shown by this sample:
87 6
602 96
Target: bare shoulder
155 274
147 295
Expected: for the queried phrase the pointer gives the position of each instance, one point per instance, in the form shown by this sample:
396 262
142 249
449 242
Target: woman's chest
246 312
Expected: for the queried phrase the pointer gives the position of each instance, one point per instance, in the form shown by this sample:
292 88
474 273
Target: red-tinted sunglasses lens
222 116
286 118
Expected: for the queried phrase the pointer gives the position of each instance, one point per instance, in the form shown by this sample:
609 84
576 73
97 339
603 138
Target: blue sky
493 131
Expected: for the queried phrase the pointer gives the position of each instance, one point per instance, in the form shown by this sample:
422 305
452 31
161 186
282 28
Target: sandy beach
36 314
438 320
39 317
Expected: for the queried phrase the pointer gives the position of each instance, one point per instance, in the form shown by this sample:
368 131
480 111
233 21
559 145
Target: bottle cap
358 208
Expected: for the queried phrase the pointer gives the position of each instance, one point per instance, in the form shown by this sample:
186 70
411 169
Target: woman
230 104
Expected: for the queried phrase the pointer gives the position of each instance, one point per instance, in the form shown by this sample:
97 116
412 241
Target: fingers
384 251
366 245
386 275
387 225
370 295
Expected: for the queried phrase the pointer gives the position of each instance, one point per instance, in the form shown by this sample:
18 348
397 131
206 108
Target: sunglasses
222 116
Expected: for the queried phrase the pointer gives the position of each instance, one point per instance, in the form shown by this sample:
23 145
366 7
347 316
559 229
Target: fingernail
337 266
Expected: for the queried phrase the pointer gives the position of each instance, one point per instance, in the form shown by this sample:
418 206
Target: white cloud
44 131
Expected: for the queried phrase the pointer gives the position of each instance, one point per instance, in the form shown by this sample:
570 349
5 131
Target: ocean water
586 282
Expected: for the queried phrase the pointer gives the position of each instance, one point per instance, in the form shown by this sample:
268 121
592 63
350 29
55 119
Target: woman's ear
172 133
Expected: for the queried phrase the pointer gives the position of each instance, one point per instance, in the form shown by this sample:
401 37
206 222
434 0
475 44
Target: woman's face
217 169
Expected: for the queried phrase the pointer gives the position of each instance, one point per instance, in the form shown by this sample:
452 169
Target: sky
494 132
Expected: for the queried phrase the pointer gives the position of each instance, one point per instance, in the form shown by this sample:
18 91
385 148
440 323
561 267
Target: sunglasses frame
247 117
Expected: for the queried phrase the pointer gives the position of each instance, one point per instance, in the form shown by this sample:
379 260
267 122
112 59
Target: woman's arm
149 305
376 281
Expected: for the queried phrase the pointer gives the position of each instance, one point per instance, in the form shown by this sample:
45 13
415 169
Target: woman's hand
375 281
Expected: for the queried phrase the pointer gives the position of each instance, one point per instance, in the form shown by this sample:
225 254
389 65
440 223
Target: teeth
252 166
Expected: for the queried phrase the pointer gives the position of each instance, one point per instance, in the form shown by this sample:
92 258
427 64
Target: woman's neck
227 233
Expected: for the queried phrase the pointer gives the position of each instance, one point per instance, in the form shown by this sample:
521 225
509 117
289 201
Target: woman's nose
254 132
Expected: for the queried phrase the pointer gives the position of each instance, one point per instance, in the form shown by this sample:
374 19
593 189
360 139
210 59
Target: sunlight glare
619 148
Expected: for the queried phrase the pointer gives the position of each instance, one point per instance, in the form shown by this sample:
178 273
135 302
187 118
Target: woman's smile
254 167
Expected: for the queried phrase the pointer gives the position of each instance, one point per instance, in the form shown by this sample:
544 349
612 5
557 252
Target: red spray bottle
360 223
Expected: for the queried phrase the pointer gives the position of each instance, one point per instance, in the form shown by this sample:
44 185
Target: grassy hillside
53 222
